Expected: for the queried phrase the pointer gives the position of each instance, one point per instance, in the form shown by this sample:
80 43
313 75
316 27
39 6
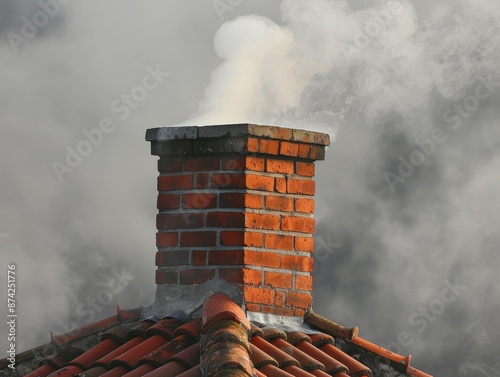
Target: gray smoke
407 199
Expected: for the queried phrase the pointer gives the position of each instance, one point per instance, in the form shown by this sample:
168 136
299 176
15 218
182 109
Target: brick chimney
235 216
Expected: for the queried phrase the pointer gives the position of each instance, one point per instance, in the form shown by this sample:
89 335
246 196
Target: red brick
279 166
241 238
166 277
226 219
297 263
198 257
201 238
276 310
196 276
259 182
262 258
278 280
262 221
253 144
200 163
298 224
304 244
168 201
280 185
254 163
175 182
226 180
303 283
304 205
280 298
241 275
300 186
298 300
252 307
179 220
252 277
235 162
199 200
289 149
279 203
172 258
259 295
300 312
317 152
269 146
240 200
305 169
304 150
201 180
225 257
165 239
278 241
232 275
170 164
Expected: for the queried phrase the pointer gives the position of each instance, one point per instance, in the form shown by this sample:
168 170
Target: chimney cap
169 133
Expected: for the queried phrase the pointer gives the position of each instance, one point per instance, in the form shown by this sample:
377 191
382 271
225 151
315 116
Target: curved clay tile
219 307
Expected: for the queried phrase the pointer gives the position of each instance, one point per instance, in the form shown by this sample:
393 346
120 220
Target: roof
223 342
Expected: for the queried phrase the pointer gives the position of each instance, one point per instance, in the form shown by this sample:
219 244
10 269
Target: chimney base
171 297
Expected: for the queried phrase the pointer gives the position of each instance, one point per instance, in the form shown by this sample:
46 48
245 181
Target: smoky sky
407 199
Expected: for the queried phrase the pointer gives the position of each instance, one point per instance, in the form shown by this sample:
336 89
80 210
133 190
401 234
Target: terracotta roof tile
355 367
164 328
171 369
56 361
161 355
330 327
332 366
68 371
193 372
306 361
140 371
320 373
95 372
260 358
106 360
225 346
189 357
219 307
281 357
229 345
381 351
271 370
130 358
86 360
42 371
116 372
298 372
